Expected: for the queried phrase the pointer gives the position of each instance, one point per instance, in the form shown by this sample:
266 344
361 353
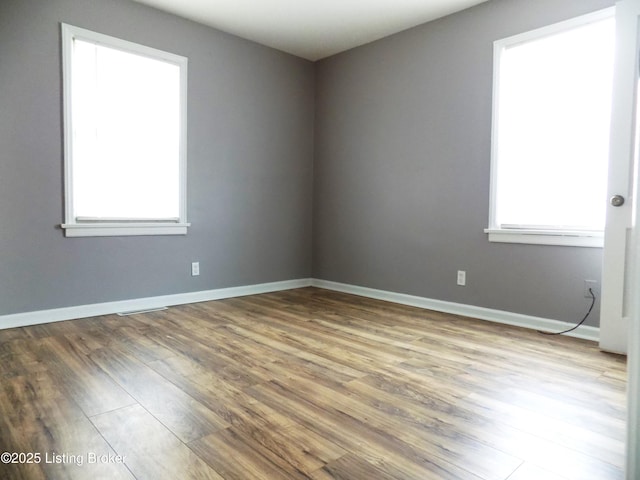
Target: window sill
566 238
123 229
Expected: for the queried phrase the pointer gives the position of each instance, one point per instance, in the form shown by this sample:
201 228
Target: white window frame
542 236
78 227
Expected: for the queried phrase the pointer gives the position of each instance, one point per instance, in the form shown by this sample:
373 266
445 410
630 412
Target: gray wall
402 169
250 157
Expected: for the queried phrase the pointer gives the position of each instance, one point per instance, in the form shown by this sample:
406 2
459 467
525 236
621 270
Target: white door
633 364
616 291
622 322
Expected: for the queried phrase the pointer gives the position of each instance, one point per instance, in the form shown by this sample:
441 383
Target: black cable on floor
593 302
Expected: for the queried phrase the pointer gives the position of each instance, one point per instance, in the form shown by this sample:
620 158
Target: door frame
627 144
616 281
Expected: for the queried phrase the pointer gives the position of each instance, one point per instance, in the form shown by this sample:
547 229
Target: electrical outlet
195 269
462 278
590 284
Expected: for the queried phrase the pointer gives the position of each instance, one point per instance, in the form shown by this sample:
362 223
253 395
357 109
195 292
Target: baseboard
84 311
497 316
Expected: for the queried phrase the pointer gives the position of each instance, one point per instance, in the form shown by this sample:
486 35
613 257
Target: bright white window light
124 116
126 137
551 128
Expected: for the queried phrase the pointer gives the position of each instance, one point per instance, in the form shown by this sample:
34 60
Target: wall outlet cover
590 284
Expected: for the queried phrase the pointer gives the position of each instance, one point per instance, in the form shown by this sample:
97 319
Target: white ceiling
312 29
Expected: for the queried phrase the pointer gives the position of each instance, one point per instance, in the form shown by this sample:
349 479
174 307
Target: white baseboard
497 316
84 311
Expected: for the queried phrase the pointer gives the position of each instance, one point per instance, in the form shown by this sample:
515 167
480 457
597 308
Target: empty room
319 240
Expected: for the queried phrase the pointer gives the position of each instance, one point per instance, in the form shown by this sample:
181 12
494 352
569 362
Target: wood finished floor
311 384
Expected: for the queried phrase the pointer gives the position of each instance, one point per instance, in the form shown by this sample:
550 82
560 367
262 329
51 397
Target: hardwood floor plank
381 449
468 420
349 467
83 381
227 401
187 418
306 450
580 438
216 356
296 351
292 452
11 334
310 383
309 370
435 439
149 449
531 472
239 458
35 417
137 342
578 391
496 405
18 358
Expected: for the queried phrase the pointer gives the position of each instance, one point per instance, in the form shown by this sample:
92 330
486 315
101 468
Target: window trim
496 233
75 227
570 238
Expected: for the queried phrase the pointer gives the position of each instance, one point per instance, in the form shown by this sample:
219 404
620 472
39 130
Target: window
550 144
125 137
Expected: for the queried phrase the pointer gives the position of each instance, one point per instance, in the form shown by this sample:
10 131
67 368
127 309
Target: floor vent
135 312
